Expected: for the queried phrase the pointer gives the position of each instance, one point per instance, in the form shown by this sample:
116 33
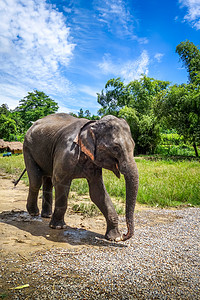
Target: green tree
180 106
86 115
81 113
180 109
113 98
138 94
34 106
190 55
4 109
135 102
7 127
73 114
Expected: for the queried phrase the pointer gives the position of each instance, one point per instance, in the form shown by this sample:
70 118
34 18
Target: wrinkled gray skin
59 148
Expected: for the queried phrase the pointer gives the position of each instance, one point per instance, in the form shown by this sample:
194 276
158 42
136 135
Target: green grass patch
89 209
169 183
12 164
80 186
162 183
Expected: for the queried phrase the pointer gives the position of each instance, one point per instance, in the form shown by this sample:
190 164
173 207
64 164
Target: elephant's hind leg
101 198
47 198
61 194
35 182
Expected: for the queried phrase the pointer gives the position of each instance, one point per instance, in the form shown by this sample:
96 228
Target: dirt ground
22 234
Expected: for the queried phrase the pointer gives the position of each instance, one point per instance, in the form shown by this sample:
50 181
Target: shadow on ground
39 227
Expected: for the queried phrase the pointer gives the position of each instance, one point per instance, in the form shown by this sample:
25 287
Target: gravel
160 262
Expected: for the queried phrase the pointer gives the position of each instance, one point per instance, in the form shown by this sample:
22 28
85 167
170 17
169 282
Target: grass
13 164
169 183
163 183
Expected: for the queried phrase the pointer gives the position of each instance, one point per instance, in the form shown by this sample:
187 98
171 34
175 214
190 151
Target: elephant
59 148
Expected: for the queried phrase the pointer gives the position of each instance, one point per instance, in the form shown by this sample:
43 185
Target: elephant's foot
46 214
113 235
57 224
32 210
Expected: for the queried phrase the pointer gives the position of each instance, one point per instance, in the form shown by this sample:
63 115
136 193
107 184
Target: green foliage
190 55
135 102
7 127
4 110
149 134
81 113
34 106
175 150
86 115
180 109
142 93
173 144
113 98
14 124
131 116
138 94
144 130
171 138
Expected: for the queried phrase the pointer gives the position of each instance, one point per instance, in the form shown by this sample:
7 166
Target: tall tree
34 106
190 55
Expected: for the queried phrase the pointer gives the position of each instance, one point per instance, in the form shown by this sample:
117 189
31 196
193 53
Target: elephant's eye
116 149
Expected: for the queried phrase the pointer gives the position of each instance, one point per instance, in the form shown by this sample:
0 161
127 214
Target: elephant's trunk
130 173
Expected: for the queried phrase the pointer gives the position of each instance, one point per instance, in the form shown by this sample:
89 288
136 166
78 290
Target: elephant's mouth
110 163
115 169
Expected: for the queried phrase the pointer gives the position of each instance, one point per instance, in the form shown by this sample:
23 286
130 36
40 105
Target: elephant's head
109 145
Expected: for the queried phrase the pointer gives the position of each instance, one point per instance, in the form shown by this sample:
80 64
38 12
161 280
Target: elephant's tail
16 181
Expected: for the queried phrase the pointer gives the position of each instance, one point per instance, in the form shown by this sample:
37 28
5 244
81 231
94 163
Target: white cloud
119 19
109 8
116 15
88 90
158 57
193 12
128 71
35 42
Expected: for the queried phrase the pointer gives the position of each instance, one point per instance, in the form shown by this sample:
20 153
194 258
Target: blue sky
69 49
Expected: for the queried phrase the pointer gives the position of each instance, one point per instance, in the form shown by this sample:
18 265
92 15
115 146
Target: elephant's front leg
61 195
101 198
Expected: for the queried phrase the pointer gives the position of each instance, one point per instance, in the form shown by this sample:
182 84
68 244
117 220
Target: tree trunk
195 149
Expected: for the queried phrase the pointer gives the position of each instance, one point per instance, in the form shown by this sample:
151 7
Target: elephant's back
51 126
55 120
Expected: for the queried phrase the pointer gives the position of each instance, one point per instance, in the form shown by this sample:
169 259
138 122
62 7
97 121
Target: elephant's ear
86 140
